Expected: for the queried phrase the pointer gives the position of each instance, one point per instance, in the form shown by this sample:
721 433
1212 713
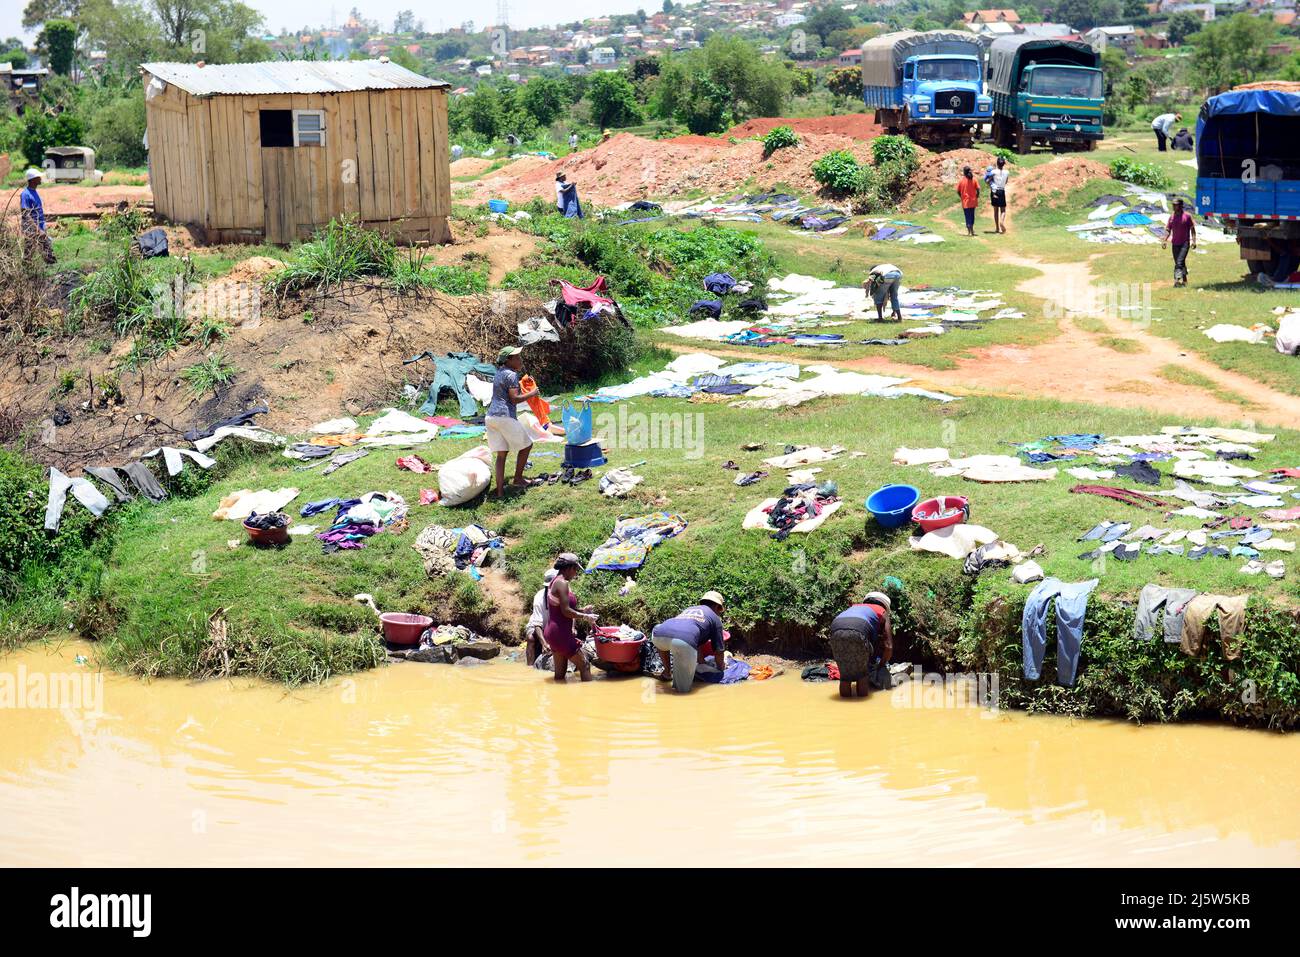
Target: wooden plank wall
385 158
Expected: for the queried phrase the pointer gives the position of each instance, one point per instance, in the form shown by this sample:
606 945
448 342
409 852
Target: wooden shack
270 152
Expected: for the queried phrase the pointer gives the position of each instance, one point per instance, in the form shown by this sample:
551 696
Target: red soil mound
1062 175
628 167
858 125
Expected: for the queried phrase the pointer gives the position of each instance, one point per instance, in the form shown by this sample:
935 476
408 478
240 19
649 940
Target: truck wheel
1257 266
1024 143
1091 147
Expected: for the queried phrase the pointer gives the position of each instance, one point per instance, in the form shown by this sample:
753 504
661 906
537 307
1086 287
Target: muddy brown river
430 764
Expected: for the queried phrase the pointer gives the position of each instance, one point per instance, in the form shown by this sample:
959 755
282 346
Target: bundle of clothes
632 540
357 519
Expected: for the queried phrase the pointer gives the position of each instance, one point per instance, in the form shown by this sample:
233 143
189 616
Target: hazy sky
442 13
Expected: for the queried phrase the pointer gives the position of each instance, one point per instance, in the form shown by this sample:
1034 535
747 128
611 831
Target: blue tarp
1238 103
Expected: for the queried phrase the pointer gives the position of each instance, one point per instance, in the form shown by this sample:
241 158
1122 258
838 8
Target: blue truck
928 85
1248 175
1047 91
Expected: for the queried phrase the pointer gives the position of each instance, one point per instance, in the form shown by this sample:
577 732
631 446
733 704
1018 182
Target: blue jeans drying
1071 605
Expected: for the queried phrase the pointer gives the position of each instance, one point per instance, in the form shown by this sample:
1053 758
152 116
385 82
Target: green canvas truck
1045 91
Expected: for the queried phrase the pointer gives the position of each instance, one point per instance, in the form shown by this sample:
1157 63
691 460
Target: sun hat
549 576
714 597
508 351
880 598
565 559
33 173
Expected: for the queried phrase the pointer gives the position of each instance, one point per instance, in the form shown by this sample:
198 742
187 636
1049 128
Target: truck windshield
1058 81
948 70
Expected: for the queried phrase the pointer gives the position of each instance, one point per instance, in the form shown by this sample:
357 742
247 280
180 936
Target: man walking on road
1181 231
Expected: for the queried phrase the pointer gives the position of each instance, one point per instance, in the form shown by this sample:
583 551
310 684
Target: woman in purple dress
562 605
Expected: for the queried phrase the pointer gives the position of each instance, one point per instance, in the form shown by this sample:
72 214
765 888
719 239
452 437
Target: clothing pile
800 508
449 374
777 207
632 540
357 519
1241 539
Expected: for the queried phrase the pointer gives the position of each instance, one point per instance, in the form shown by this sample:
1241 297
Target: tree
405 58
482 110
40 131
61 41
729 67
846 82
1233 51
827 20
613 100
668 6
404 22
1134 9
1182 25
544 98
40 11
450 49
1086 14
17 56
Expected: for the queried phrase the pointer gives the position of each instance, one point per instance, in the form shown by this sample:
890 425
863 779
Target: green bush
1001 152
40 131
839 173
893 149
778 138
1140 174
116 130
343 251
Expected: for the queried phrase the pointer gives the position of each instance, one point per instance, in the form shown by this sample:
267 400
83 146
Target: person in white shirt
1162 125
559 191
573 141
534 644
998 195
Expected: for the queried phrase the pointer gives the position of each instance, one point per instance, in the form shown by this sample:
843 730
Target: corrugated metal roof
290 76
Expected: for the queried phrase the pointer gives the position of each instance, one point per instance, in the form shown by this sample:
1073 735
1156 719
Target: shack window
308 127
277 127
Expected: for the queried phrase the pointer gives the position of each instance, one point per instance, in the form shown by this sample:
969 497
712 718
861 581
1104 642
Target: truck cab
937 88
1061 101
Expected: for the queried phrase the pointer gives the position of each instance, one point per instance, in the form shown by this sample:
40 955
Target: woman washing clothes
860 635
505 434
678 640
562 609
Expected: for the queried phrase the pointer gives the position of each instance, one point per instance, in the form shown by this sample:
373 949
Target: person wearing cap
534 632
32 217
562 611
861 635
505 434
1181 231
1162 126
559 191
679 639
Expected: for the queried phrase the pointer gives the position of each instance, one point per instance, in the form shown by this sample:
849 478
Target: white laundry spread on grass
1226 332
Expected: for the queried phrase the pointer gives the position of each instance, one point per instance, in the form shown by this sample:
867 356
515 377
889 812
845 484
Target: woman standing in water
562 606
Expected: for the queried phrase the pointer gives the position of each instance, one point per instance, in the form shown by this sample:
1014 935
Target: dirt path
1077 365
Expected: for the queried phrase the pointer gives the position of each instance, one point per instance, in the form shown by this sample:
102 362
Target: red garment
1289 473
1180 228
832 671
589 296
559 629
1123 495
969 191
413 463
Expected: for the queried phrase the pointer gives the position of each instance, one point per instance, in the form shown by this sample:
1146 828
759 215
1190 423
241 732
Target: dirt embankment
628 167
862 126
308 359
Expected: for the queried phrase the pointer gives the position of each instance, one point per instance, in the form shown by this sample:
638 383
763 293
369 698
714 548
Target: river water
495 764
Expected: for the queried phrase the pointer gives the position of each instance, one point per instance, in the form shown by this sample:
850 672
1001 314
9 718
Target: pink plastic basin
940 512
403 629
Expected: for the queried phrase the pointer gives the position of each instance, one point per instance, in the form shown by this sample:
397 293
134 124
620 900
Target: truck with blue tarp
1248 175
928 85
1045 91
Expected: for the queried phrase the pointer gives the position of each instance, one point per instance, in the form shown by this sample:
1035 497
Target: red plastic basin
941 511
403 629
267 536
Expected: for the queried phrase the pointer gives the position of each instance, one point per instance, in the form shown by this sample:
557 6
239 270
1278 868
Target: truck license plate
944 111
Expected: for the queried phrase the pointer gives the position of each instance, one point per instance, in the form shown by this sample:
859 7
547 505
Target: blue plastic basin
891 506
498 205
